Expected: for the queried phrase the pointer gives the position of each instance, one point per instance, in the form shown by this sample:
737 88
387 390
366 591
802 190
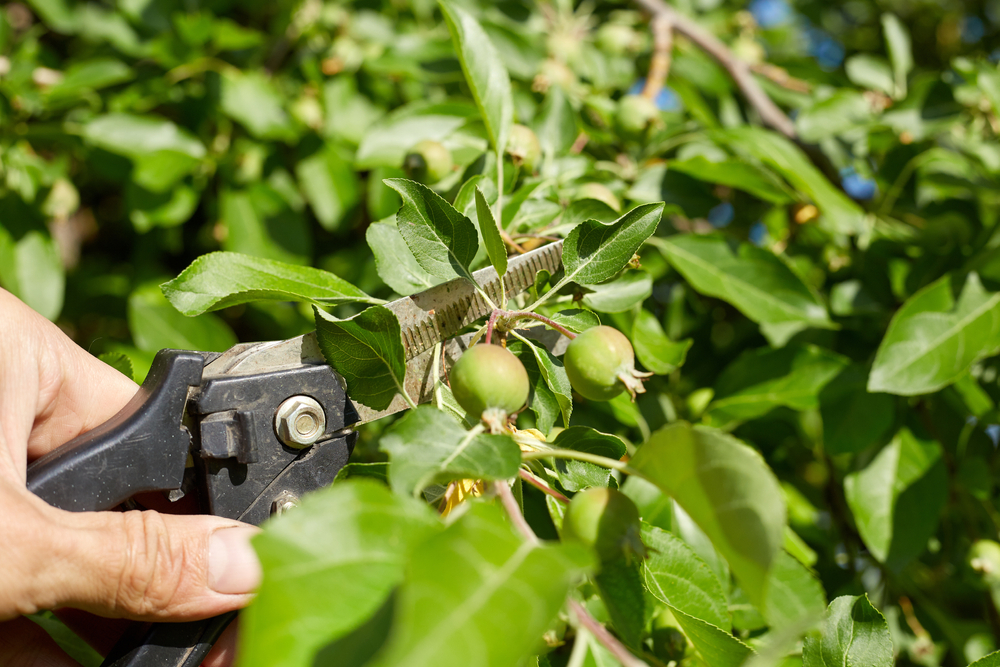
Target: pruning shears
249 431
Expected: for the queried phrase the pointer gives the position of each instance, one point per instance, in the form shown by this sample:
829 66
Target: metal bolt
299 421
284 501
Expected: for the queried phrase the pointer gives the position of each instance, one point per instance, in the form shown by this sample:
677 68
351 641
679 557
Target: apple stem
514 315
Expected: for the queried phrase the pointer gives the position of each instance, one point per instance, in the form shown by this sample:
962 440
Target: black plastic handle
142 448
168 644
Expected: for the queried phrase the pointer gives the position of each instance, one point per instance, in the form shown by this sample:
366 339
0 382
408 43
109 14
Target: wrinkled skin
116 565
489 378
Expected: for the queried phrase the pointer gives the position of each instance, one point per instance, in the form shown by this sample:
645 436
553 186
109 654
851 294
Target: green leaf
118 361
578 475
898 497
156 324
222 279
839 113
752 279
840 214
655 507
394 262
555 124
871 72
854 633
260 222
735 174
677 577
897 39
443 241
853 419
763 379
387 140
134 136
427 446
594 251
348 543
252 100
541 400
495 247
484 72
620 585
577 320
794 594
162 170
79 650
653 348
477 594
367 350
991 660
621 294
727 489
149 209
89 75
552 371
932 341
30 267
330 185
716 646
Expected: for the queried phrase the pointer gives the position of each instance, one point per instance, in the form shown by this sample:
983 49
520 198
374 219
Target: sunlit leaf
222 279
676 576
484 72
854 633
727 489
752 279
763 379
464 588
933 339
367 350
350 543
495 247
428 446
594 252
898 497
443 241
653 348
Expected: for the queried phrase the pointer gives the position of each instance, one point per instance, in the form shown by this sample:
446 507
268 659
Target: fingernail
233 567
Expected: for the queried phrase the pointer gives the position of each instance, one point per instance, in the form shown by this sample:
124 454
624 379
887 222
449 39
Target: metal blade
440 312
425 319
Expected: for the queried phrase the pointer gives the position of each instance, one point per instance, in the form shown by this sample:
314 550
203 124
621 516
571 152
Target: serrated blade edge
440 312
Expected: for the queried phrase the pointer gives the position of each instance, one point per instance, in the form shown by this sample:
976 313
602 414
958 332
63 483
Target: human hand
137 565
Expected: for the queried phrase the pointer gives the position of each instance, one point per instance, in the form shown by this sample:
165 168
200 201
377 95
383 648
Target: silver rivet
299 421
284 501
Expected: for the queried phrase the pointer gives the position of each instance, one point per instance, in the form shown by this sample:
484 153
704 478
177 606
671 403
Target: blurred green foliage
137 136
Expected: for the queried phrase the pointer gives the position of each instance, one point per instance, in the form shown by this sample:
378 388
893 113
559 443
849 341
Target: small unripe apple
428 162
488 379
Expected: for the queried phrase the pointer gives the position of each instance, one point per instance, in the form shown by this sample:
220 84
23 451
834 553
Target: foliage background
136 136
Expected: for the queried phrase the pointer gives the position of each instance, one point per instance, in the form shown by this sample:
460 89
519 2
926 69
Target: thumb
151 566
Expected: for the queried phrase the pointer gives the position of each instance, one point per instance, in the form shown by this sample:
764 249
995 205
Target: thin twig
541 486
514 511
492 325
515 315
780 76
601 634
769 112
574 455
659 65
